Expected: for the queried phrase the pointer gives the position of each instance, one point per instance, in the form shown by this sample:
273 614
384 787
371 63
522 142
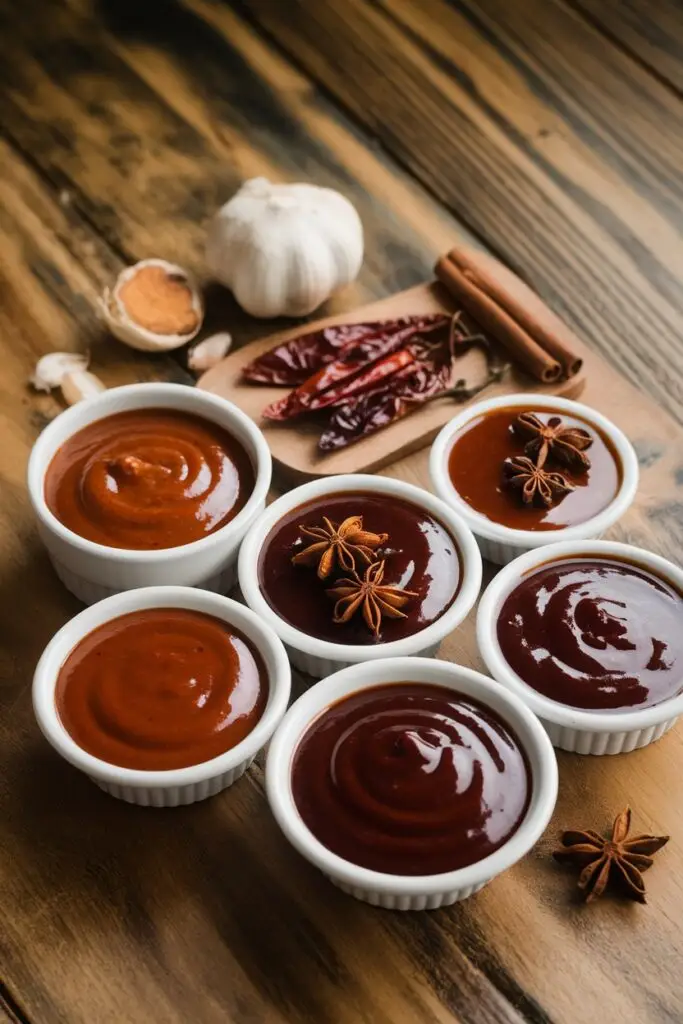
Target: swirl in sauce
160 689
150 478
595 633
411 779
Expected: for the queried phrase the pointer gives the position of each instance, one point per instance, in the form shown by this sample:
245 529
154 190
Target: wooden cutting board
294 445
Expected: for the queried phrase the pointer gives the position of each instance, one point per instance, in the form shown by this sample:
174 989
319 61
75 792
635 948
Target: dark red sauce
595 633
420 556
411 779
475 468
149 478
162 688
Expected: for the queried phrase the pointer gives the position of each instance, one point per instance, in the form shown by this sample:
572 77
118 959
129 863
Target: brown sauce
420 556
411 779
147 479
475 468
595 633
161 689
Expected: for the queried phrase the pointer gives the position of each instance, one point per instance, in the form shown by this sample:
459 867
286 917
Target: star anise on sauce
370 594
338 545
536 485
617 859
566 444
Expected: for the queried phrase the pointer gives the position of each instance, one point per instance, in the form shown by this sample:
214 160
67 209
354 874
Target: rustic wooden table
550 130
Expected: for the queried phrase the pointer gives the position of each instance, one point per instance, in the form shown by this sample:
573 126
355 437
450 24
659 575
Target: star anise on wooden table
370 594
617 859
566 444
339 545
536 485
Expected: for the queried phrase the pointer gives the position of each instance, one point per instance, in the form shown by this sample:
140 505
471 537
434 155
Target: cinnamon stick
493 318
522 303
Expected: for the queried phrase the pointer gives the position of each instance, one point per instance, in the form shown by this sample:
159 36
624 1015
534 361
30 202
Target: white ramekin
405 892
321 657
180 785
498 543
575 729
93 571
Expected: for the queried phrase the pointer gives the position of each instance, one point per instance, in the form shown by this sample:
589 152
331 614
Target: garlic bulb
79 385
283 249
50 369
209 352
155 306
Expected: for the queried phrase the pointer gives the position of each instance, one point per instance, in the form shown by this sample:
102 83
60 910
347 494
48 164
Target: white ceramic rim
552 711
524 539
315 701
152 395
363 483
63 642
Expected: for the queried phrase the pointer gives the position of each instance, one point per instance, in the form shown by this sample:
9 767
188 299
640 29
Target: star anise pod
339 545
370 594
566 444
617 858
536 485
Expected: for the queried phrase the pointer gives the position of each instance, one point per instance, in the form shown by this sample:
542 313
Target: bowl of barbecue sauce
589 635
147 485
357 567
162 695
410 782
529 470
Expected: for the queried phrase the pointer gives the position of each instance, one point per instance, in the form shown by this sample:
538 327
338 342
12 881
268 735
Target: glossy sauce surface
147 479
160 689
595 633
411 779
420 555
475 468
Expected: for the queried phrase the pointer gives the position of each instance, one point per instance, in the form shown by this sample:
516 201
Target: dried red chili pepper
364 414
429 377
353 361
291 363
376 373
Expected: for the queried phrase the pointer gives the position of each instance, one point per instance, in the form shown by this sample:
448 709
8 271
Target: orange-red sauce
160 689
475 466
149 478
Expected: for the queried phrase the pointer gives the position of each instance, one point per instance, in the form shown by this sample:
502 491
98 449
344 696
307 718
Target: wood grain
649 32
10 1013
294 445
555 148
122 127
224 109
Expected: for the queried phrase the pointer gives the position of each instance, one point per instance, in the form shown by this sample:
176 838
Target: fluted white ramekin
575 729
180 785
410 892
499 543
93 571
321 657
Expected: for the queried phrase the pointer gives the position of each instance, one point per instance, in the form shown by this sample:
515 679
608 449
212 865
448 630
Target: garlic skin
79 385
51 368
283 249
125 328
209 352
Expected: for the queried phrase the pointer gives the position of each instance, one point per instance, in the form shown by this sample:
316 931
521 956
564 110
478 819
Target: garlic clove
155 306
209 352
282 249
79 385
51 368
